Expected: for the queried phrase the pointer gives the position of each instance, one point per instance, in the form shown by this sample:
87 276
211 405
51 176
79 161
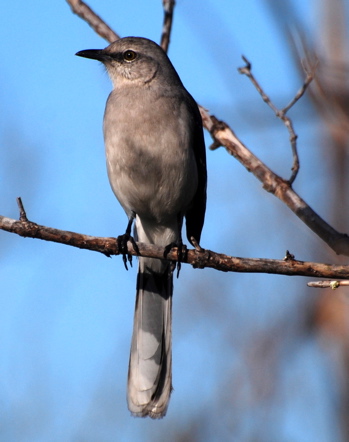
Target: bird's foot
202 254
122 241
181 254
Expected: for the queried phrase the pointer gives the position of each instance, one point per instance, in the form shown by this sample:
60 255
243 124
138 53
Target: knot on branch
217 126
245 70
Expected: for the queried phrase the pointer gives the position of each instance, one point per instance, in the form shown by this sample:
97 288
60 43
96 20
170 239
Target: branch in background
309 69
167 26
328 284
224 136
197 258
97 24
281 113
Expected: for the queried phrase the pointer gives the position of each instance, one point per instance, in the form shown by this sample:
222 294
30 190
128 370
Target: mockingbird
157 169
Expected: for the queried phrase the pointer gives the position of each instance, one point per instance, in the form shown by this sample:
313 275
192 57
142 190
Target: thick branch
199 259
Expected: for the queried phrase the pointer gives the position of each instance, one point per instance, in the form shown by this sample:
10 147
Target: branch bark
197 258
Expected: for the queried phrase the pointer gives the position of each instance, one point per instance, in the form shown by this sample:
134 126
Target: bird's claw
202 254
122 245
181 254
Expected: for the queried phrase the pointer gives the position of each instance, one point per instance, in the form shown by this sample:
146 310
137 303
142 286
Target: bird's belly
156 190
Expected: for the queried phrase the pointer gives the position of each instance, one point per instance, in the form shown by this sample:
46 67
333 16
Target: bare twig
310 75
22 212
328 284
167 26
223 135
97 24
281 113
198 259
246 70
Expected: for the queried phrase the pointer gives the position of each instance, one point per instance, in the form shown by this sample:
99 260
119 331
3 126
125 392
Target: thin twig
97 24
22 212
167 26
247 70
310 75
328 284
281 113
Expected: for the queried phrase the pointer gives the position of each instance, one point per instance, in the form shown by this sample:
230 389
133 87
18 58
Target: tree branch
166 29
97 24
197 258
328 284
224 136
281 113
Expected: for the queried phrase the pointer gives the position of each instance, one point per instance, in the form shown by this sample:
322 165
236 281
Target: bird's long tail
150 367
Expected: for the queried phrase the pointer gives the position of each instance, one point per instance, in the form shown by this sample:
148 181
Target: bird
156 163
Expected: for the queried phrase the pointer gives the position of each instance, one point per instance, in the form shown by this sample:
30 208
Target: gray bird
157 169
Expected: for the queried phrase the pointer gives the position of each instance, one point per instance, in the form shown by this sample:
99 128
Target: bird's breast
150 161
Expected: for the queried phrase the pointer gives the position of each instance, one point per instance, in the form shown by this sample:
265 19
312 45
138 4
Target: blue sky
66 314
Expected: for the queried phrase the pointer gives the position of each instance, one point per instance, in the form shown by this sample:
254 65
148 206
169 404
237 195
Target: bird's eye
129 55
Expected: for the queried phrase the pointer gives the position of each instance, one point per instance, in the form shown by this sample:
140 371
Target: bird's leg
122 243
181 248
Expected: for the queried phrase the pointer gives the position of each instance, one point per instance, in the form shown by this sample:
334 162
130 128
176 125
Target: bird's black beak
94 54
